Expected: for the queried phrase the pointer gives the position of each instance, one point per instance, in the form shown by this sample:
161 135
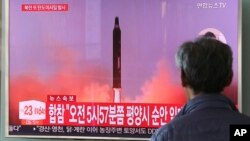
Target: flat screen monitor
105 69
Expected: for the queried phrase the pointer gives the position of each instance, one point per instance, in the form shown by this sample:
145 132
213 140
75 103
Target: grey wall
245 75
246 56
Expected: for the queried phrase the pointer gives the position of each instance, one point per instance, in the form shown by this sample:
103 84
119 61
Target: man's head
206 65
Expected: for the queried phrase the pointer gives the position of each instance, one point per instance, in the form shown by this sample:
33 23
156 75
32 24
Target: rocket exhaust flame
117 95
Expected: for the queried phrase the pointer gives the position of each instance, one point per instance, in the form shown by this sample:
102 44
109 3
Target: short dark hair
206 64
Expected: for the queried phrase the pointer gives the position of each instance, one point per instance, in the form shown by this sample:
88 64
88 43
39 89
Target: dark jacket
204 118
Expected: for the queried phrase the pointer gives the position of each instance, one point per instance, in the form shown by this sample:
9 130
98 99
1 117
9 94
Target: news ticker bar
237 132
91 131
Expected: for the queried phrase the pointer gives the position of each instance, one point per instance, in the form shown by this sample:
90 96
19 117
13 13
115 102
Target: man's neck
190 93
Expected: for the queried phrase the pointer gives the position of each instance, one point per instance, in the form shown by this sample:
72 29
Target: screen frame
5 76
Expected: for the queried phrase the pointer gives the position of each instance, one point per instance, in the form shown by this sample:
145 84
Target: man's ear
183 78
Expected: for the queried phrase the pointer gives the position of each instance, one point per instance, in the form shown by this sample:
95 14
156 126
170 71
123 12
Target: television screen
105 69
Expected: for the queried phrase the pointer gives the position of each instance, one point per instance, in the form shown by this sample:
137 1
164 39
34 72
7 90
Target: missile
117 61
116 55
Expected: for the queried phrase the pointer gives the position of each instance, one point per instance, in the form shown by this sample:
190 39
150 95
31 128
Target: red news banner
64 110
44 7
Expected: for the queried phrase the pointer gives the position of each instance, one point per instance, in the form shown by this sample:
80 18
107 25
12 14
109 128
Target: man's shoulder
162 133
242 118
166 132
185 122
